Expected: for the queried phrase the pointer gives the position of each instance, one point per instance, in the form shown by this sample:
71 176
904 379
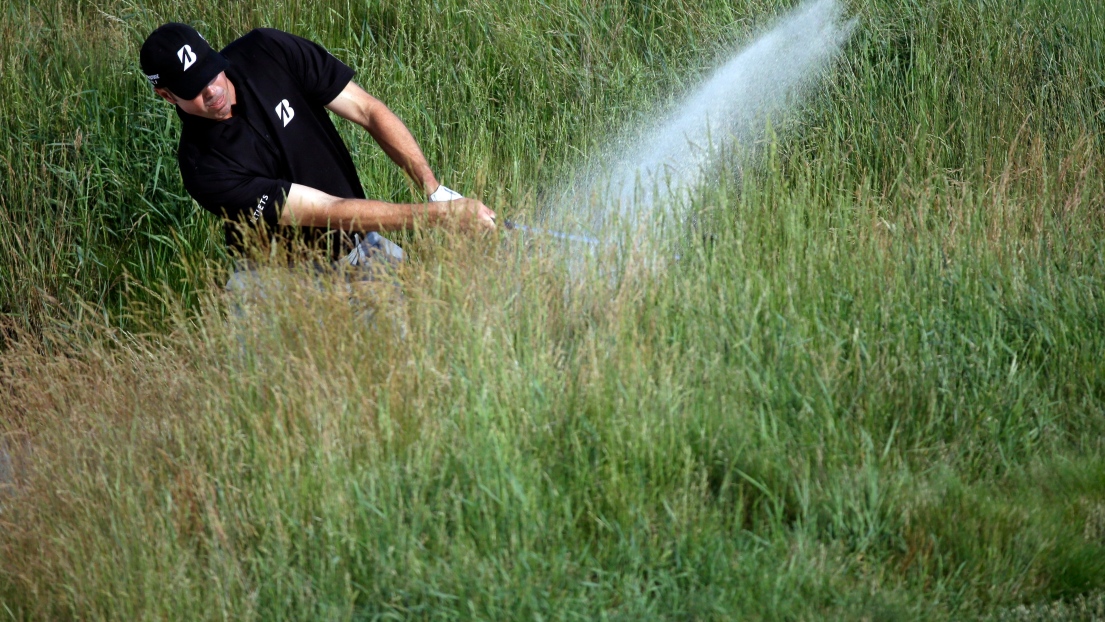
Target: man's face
213 102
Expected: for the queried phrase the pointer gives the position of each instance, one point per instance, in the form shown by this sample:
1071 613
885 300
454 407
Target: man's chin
219 114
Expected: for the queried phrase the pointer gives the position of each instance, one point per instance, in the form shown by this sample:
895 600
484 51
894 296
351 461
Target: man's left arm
356 105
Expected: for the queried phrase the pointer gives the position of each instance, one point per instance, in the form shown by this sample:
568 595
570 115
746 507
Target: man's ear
165 94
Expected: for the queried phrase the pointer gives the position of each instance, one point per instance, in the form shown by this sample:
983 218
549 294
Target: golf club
569 237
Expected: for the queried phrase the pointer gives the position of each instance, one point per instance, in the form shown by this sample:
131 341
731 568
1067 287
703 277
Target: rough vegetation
872 386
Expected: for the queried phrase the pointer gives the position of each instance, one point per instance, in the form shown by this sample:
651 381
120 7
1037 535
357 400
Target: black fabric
279 134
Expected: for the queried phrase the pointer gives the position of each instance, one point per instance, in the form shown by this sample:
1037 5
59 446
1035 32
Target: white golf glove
444 194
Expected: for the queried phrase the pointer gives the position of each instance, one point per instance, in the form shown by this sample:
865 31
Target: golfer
257 145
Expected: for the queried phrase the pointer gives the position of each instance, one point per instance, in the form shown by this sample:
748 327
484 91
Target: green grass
871 388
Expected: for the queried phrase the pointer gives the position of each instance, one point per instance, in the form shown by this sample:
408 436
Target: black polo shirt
279 134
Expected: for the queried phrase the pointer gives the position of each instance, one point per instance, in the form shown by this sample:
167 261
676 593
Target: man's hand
469 211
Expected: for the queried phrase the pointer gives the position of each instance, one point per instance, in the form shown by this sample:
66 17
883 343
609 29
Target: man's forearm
389 131
309 208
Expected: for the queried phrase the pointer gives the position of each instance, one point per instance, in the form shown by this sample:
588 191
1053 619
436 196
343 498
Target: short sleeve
237 196
321 76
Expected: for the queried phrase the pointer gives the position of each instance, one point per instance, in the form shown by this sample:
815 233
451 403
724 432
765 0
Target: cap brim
193 82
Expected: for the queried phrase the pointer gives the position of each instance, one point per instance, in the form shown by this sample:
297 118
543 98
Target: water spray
659 163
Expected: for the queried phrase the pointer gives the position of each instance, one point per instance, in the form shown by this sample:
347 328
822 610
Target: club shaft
556 234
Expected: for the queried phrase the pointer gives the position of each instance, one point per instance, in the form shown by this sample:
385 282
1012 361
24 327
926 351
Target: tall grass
869 388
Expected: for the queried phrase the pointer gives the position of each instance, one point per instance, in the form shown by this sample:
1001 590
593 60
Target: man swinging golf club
257 145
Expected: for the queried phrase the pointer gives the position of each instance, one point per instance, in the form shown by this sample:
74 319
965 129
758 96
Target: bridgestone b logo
187 56
285 112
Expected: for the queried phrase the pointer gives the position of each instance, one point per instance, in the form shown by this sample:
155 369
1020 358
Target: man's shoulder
254 40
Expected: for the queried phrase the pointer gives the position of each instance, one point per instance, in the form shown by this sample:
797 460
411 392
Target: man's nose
208 92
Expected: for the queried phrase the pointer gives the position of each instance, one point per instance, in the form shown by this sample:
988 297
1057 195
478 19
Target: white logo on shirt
257 211
285 112
187 56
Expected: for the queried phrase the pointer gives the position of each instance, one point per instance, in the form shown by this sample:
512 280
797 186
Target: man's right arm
308 207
